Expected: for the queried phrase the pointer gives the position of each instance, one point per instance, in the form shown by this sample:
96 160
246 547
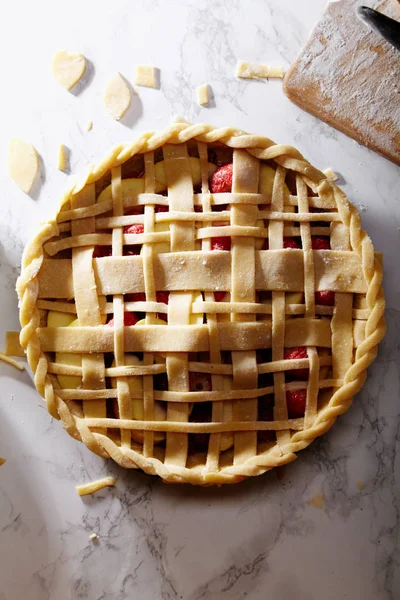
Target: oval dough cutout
68 68
23 164
117 97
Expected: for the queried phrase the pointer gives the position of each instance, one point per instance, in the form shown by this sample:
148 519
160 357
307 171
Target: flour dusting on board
350 77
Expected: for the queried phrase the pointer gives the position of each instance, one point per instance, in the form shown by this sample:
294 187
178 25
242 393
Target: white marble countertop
257 540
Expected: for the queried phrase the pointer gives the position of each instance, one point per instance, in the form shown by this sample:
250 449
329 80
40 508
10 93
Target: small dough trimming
68 68
146 76
23 164
117 97
95 486
202 94
62 158
246 70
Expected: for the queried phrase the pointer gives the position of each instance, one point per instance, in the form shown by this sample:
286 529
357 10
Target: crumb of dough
13 347
93 536
146 76
11 361
246 70
89 126
317 501
330 174
95 486
202 94
68 68
62 158
23 164
360 485
2 461
117 97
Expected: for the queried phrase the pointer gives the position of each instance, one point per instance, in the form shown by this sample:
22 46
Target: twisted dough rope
263 149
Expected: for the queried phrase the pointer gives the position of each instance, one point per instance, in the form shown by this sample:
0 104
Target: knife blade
388 28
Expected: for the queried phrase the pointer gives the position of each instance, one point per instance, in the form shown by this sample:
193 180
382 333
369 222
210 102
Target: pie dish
203 306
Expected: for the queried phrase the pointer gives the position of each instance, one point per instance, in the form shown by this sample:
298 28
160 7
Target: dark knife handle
387 27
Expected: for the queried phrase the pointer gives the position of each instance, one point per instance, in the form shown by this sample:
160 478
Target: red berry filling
295 354
325 298
291 242
135 228
102 251
199 382
221 180
221 243
320 243
296 403
219 296
162 297
129 319
266 413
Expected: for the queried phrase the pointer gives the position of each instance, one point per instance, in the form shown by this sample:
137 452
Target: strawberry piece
325 298
102 251
221 181
221 243
162 297
291 242
320 243
295 354
129 319
161 208
219 296
296 403
199 382
135 228
138 297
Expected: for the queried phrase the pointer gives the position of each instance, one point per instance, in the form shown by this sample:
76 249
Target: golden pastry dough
62 158
95 486
246 70
2 461
317 501
197 329
117 97
330 174
202 94
23 164
146 76
68 68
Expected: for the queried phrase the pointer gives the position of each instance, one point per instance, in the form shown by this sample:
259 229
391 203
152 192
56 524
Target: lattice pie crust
177 330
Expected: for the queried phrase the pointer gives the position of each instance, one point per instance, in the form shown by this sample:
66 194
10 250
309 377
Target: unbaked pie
203 306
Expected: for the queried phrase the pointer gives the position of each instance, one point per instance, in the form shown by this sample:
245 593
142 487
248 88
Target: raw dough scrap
62 158
247 70
95 486
117 97
89 126
317 501
330 174
11 361
2 461
202 94
23 164
68 68
93 536
146 76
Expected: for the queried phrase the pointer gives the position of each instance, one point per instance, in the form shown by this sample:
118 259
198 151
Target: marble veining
260 539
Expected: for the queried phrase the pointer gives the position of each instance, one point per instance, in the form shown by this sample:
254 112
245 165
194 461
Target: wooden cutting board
349 76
